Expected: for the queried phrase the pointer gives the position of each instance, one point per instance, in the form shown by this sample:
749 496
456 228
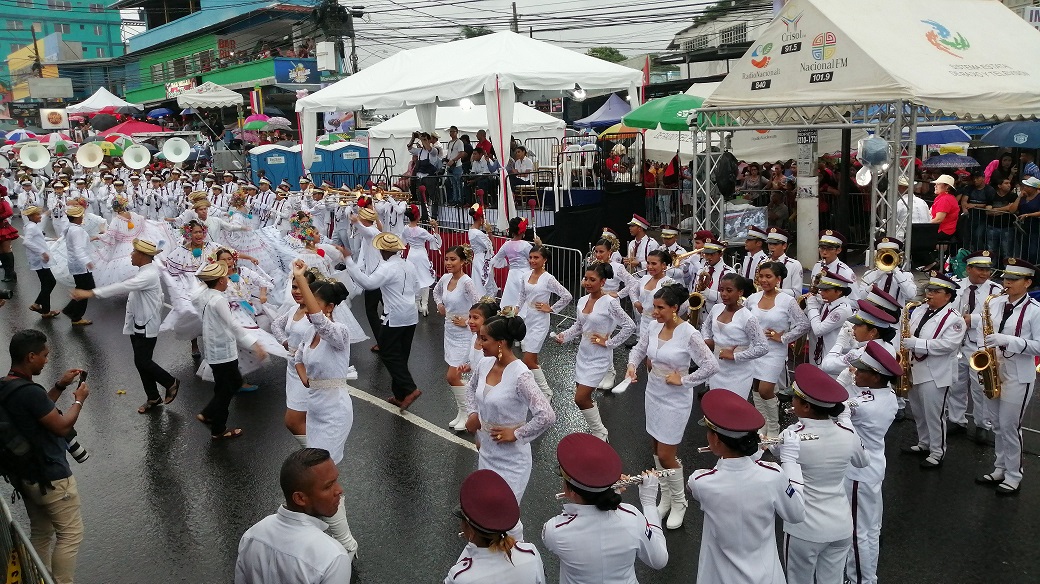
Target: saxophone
984 361
697 296
905 382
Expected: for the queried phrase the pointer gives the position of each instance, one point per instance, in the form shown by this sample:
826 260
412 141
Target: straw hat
367 214
201 204
197 196
31 210
146 247
388 242
212 271
74 211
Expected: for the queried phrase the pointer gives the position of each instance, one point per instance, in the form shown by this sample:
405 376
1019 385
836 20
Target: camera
75 448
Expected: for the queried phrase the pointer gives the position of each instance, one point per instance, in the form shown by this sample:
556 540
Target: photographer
51 498
427 162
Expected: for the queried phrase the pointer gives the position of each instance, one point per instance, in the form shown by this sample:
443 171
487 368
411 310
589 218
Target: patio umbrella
1014 135
54 137
270 127
951 161
19 135
119 141
109 148
279 121
61 147
619 128
939 134
77 118
258 117
255 125
329 139
103 122
187 111
128 110
160 112
666 113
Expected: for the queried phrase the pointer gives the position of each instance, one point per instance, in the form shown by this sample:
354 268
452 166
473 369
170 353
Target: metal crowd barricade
23 563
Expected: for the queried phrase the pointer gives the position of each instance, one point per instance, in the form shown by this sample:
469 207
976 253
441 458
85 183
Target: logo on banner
791 22
946 41
758 55
299 73
1020 138
824 46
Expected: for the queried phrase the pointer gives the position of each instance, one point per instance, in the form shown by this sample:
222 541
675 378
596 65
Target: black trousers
47 283
372 312
226 381
395 347
75 309
150 372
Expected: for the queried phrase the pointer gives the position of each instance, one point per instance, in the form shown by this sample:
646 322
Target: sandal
228 434
36 308
150 405
203 419
171 392
51 314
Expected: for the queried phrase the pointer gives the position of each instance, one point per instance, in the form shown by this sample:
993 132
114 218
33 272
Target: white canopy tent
491 69
395 133
101 99
209 95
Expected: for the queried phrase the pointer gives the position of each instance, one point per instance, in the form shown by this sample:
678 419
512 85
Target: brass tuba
984 361
905 382
887 260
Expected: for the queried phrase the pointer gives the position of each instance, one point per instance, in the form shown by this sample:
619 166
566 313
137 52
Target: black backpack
20 459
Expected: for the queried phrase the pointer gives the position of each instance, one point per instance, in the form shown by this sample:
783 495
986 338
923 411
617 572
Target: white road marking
421 422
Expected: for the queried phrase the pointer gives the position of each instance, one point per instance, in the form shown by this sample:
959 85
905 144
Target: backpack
725 174
20 459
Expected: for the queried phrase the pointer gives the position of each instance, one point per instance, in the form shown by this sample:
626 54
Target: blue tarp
607 115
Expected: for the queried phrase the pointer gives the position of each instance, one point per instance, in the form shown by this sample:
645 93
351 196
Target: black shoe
930 463
914 449
1006 490
955 429
11 278
988 480
6 294
981 436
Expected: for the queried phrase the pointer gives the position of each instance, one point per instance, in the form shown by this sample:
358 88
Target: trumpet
680 258
814 286
767 442
635 479
887 260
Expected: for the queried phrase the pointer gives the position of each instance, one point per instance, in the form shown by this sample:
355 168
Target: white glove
813 301
648 490
790 448
998 340
909 342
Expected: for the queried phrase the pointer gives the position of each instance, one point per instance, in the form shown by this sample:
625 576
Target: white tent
395 133
101 99
963 58
491 69
209 95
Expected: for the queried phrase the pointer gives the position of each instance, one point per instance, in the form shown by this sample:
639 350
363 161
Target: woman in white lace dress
733 333
417 239
642 294
483 250
454 294
513 253
291 328
537 289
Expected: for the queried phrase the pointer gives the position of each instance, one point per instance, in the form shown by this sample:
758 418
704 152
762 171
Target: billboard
54 119
296 71
50 87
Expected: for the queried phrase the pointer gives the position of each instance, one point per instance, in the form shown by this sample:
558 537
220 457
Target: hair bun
517 328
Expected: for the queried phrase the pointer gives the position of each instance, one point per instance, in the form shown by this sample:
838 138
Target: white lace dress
483 251
330 413
744 335
417 238
784 317
458 340
292 333
645 297
538 322
601 319
513 253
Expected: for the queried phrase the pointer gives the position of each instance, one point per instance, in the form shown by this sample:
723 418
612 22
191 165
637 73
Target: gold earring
675 316
500 352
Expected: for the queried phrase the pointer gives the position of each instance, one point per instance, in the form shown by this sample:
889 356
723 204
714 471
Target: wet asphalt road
162 503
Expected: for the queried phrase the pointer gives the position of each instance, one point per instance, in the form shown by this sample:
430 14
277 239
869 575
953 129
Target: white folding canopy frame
490 69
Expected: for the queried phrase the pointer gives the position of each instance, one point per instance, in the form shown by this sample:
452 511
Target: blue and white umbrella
1014 135
940 135
951 161
161 112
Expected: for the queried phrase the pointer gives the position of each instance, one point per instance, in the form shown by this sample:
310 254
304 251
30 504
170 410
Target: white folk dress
513 253
744 335
458 340
179 276
506 405
606 314
789 320
483 251
417 238
538 322
668 406
330 413
645 297
292 333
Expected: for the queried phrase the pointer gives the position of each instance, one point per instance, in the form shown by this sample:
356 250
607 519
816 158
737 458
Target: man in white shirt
37 255
143 316
453 155
521 170
291 545
777 242
77 243
640 245
909 205
428 160
367 225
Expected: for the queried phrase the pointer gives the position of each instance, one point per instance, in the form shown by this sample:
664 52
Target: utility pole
38 66
515 26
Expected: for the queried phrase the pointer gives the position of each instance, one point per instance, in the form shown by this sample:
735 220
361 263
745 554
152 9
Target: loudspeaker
576 227
620 202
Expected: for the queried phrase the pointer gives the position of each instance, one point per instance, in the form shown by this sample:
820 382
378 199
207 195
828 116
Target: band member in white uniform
691 265
815 549
896 282
454 294
537 289
937 331
1016 320
872 407
417 238
597 535
868 323
513 253
670 240
597 314
488 513
776 243
499 396
642 294
782 323
972 294
827 311
740 547
754 245
483 251
715 269
735 336
670 345
640 245
831 244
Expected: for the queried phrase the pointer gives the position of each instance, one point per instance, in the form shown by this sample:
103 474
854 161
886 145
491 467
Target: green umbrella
666 113
330 139
255 125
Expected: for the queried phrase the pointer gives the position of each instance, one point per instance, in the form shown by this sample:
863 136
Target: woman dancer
247 241
734 335
37 255
782 323
117 243
669 345
7 236
606 251
482 310
483 249
416 238
513 253
322 362
291 328
537 288
454 294
597 315
499 396
642 294
180 266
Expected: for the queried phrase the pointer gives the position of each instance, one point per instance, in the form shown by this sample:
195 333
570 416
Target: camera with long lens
75 448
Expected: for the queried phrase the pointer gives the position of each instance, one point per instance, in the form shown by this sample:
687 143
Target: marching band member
454 295
483 250
137 193
417 239
734 335
777 242
740 548
499 417
320 210
691 265
831 243
37 255
29 196
513 253
885 301
972 293
815 549
896 282
536 310
873 409
782 323
597 314
156 196
715 269
103 191
261 204
754 245
488 512
669 345
597 535
938 331
57 204
220 198
642 293
282 209
670 240
827 311
641 244
868 323
392 213
195 180
1016 320
80 190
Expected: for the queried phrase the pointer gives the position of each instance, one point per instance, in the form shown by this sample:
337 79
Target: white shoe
666 493
351 373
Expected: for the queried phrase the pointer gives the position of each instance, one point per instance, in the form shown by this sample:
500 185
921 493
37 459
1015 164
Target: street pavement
162 503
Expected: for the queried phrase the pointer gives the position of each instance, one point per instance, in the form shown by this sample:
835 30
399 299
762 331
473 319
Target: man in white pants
970 299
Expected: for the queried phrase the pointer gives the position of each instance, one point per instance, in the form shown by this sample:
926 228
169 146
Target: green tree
607 54
469 32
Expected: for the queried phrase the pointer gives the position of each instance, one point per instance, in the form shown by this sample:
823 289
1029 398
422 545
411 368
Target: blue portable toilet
324 165
277 162
350 158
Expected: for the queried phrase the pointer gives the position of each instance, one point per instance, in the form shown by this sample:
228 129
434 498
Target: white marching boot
678 489
772 414
459 422
760 405
543 384
339 529
424 301
666 493
608 379
595 422
302 439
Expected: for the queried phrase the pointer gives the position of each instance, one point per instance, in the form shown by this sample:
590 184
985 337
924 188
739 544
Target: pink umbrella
257 118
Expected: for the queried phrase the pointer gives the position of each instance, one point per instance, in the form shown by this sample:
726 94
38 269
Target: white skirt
458 343
592 364
736 376
538 323
511 460
330 416
772 366
514 284
667 409
295 392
